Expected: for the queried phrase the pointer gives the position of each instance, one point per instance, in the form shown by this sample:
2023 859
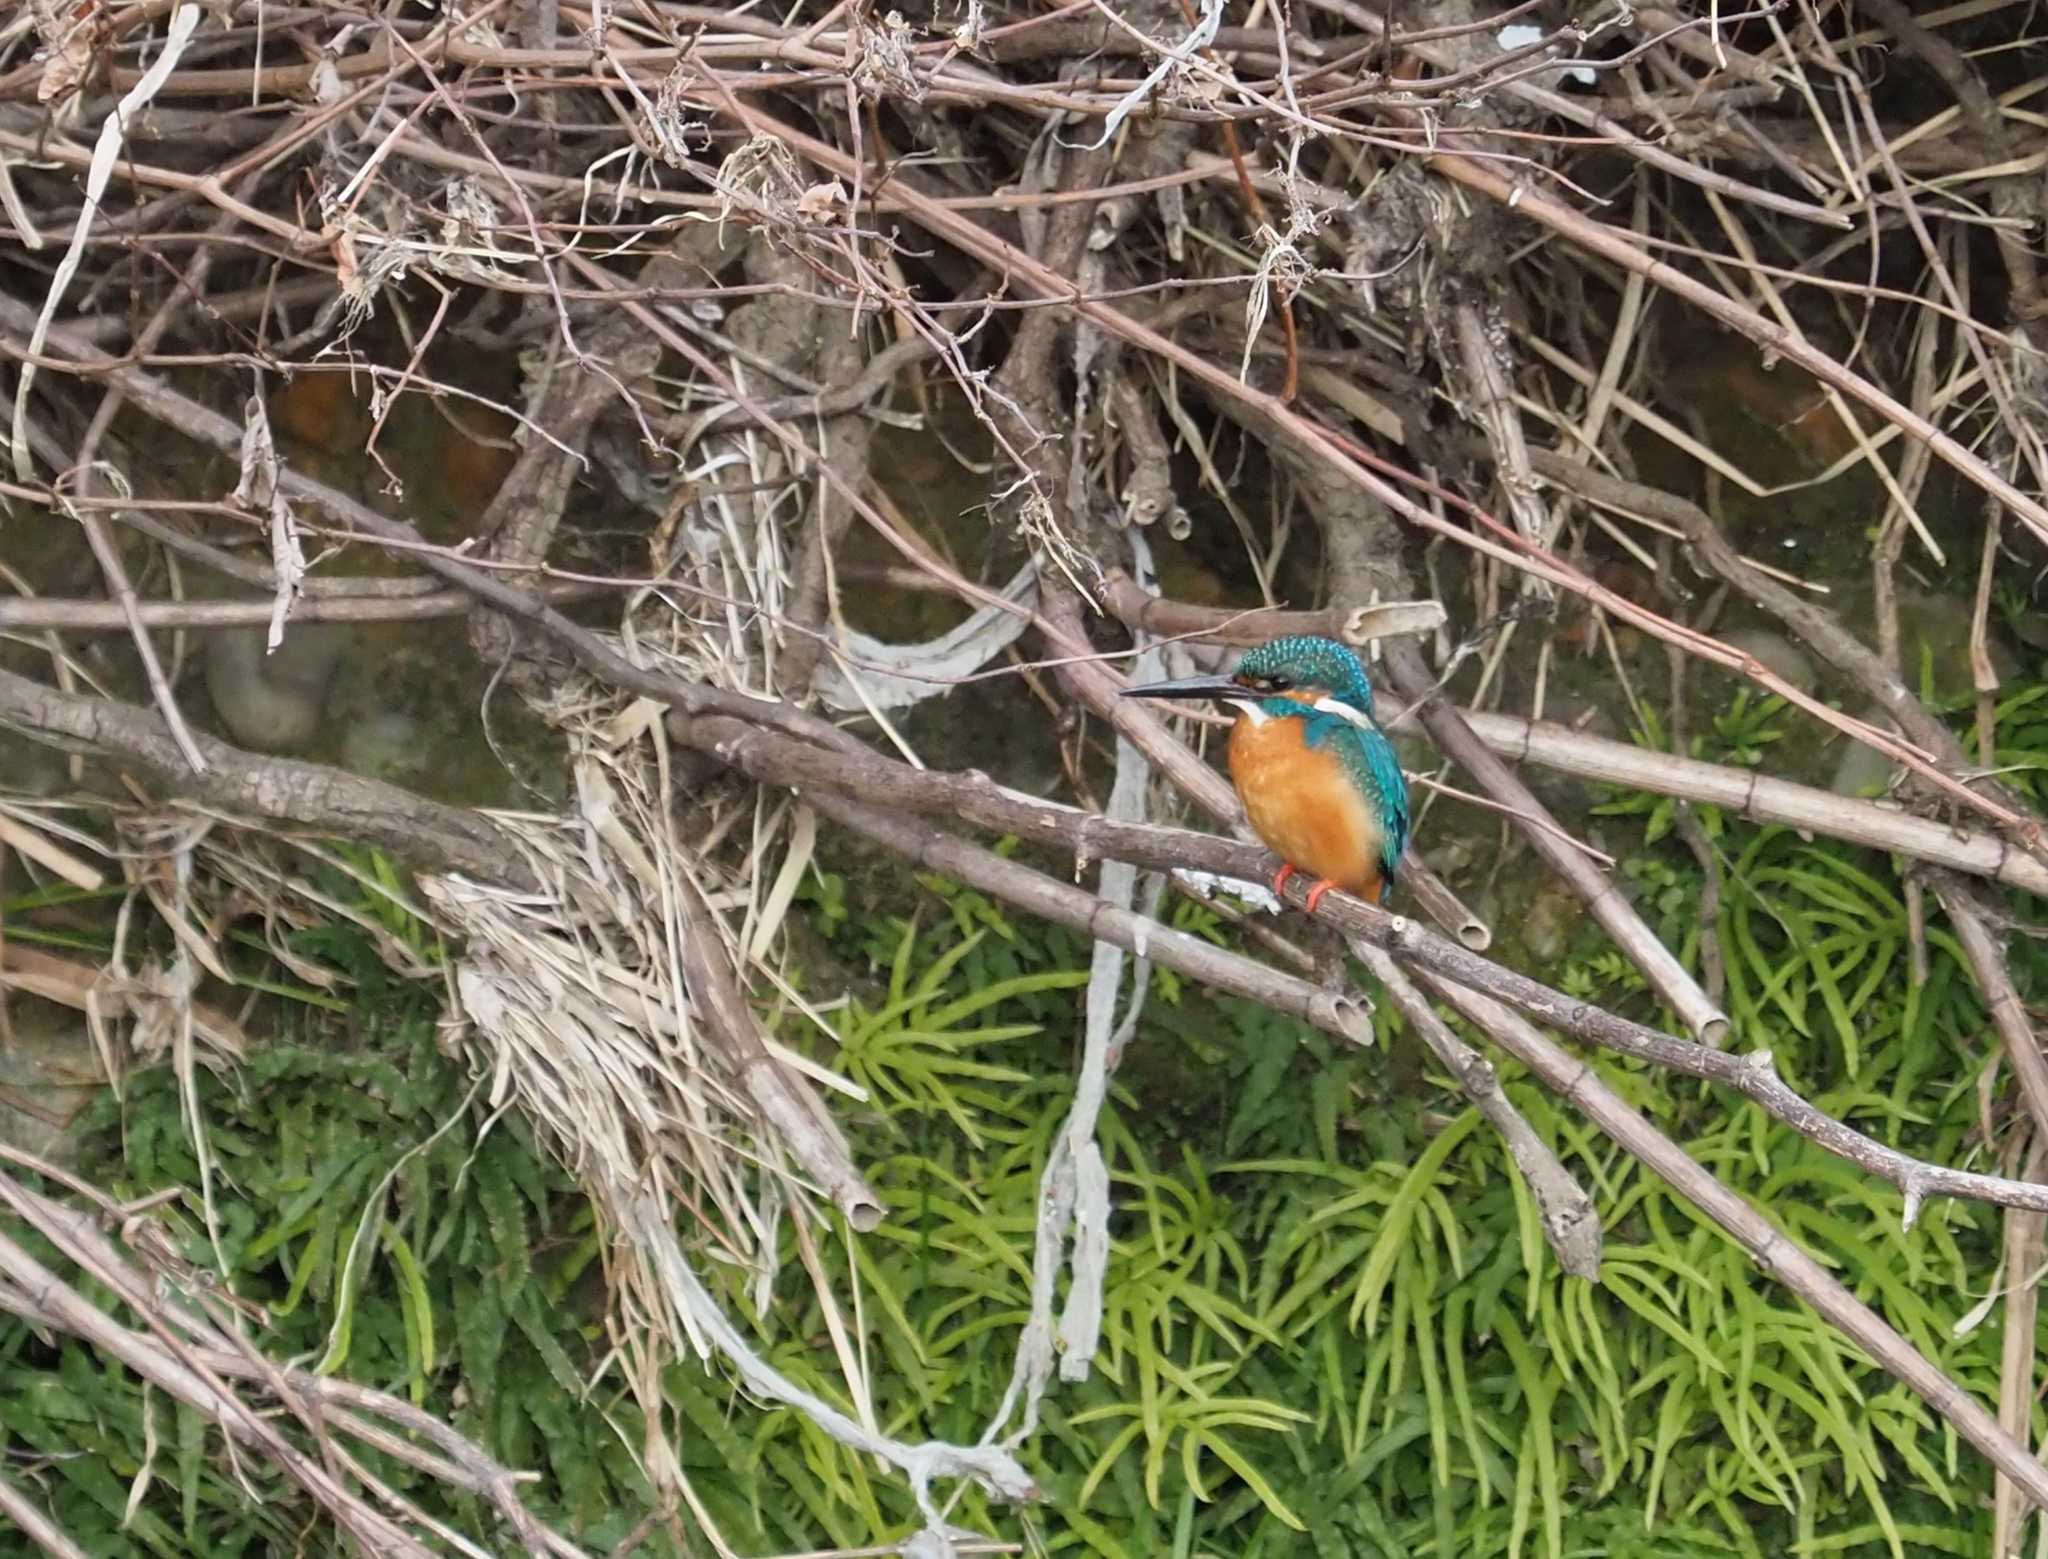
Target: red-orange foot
1280 879
1315 894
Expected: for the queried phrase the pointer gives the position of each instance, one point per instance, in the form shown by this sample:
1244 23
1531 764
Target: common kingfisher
1317 776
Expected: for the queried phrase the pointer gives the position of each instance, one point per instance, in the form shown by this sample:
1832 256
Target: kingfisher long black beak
1187 688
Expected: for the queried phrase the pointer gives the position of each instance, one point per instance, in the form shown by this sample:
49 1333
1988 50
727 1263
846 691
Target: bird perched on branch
1318 777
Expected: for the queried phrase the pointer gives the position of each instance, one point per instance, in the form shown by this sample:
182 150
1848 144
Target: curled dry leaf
70 32
817 203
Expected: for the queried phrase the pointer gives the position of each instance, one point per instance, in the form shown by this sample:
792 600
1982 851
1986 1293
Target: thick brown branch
790 1106
420 832
1447 728
1574 1080
1571 1223
821 776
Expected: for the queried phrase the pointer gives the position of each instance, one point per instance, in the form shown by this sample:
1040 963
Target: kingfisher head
1292 677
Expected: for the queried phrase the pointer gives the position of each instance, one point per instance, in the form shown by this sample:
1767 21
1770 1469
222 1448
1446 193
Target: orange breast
1302 803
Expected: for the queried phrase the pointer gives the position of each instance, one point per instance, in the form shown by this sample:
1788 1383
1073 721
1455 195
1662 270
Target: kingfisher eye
1279 684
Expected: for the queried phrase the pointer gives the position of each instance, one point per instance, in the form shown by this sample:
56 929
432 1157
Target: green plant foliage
2022 750
1331 1325
390 1236
916 1049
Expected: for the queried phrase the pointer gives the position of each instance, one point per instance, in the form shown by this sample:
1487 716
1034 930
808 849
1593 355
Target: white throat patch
1246 706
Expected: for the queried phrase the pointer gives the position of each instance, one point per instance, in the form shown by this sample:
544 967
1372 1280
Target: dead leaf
70 30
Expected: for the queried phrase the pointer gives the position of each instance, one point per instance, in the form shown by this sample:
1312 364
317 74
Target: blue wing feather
1392 794
1370 758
